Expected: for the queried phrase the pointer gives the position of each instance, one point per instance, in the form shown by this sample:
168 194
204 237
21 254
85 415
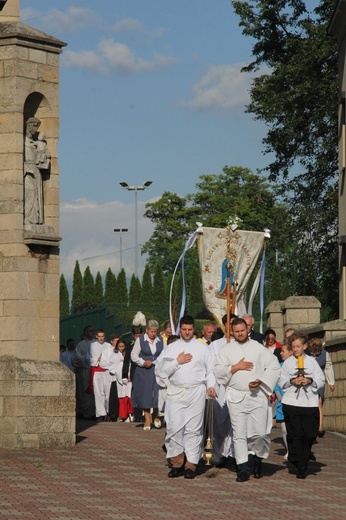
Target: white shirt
137 348
198 371
292 397
265 367
100 354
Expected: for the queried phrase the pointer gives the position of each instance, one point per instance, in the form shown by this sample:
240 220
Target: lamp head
147 183
124 184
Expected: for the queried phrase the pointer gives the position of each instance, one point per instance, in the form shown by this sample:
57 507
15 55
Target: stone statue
36 160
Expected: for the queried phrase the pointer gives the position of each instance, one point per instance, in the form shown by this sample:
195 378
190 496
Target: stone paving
118 471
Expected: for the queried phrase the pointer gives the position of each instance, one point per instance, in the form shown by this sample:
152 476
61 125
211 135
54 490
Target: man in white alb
250 373
187 367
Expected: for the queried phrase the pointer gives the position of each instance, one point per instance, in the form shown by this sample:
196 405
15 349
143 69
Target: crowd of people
251 381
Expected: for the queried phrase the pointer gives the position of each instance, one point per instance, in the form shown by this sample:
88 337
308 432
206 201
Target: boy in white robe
249 373
100 353
187 366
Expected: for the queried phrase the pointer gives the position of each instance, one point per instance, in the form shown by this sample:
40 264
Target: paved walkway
118 471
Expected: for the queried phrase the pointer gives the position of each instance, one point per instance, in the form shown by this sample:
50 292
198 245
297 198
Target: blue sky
149 90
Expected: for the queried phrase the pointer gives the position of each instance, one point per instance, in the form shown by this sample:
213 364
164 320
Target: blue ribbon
189 243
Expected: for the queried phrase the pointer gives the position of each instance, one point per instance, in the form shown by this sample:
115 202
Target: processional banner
226 253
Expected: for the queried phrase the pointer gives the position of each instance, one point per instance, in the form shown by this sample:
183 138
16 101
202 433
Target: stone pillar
10 11
37 407
300 312
337 28
275 319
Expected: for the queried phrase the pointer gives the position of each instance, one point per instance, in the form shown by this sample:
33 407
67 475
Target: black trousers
113 402
302 430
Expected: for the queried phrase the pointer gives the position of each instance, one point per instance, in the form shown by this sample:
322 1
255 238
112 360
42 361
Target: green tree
135 294
147 289
195 298
161 309
64 298
173 224
236 191
275 290
98 294
110 290
122 291
77 288
88 288
297 100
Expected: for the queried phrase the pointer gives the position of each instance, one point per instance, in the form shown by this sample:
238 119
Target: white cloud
115 58
88 236
123 61
129 25
69 21
88 60
133 25
222 86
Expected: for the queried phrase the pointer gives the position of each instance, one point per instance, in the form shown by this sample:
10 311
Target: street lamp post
121 231
136 189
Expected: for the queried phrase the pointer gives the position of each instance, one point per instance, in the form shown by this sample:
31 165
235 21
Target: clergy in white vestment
187 367
249 372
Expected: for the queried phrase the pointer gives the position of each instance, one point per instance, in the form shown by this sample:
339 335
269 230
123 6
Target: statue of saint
36 159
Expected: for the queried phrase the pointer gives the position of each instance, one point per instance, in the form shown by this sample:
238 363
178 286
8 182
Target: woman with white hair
145 352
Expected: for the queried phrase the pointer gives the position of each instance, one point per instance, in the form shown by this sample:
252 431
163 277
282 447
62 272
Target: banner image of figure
221 248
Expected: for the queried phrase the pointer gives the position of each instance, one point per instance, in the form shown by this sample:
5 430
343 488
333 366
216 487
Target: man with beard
249 372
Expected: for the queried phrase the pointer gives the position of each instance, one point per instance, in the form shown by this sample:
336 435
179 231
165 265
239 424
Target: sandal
157 423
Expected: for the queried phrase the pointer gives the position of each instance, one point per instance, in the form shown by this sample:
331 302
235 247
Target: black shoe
220 462
189 473
231 464
302 472
257 467
102 418
321 433
243 475
176 472
312 457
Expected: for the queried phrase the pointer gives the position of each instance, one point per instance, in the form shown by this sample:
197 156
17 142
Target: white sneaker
131 417
127 420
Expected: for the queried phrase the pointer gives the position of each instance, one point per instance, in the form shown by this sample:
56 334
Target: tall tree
77 288
147 288
98 298
297 99
122 291
64 298
135 294
88 288
110 290
161 310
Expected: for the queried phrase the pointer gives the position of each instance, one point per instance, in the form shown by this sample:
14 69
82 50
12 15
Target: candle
300 362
